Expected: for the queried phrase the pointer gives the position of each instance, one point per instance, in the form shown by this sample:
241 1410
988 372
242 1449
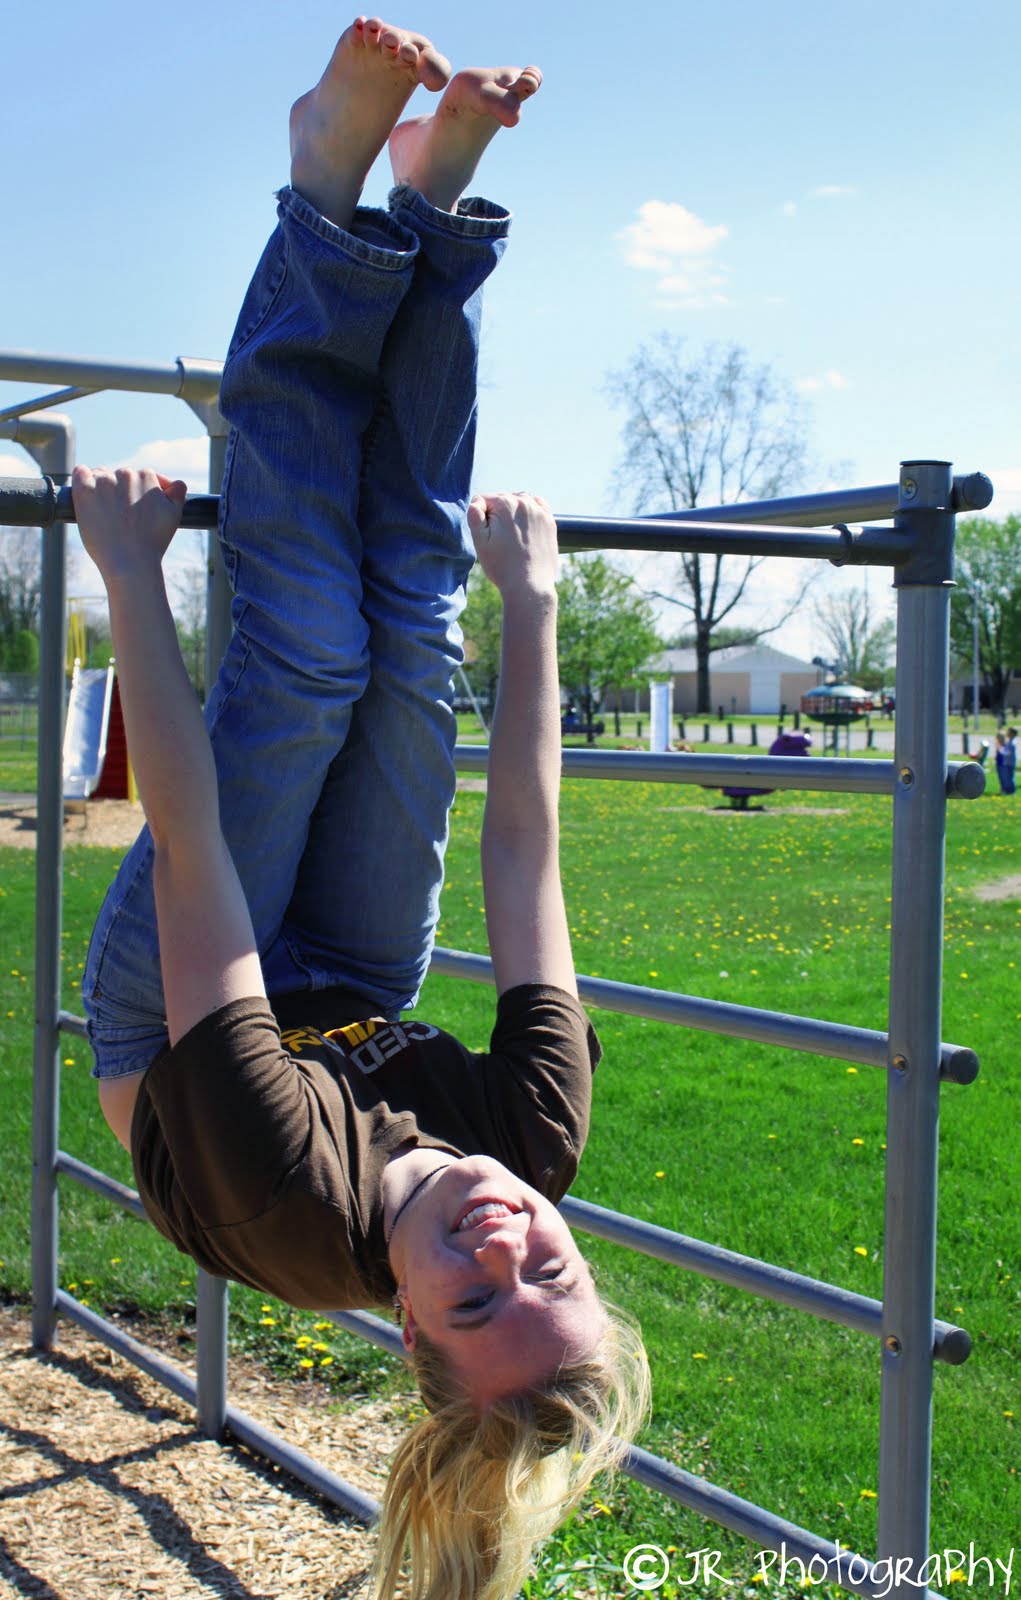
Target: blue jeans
350 385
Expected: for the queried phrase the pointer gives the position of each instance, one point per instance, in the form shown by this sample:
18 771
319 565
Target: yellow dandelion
866 1494
305 1362
69 1061
957 1576
860 1250
853 1071
327 1361
660 1174
857 1141
320 1346
699 1355
268 1322
319 1327
303 1341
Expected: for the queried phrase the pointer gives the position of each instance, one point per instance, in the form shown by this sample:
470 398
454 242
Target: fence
918 546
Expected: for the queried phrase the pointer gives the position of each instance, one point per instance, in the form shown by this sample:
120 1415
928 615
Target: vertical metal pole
916 950
212 1305
51 444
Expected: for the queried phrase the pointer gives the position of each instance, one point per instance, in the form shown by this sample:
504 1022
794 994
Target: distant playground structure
907 526
95 749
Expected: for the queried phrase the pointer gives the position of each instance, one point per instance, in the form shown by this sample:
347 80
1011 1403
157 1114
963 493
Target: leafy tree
864 648
22 652
606 630
988 569
481 624
20 584
707 428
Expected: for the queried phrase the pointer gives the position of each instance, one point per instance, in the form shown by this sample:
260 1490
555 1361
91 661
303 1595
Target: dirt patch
109 1492
94 822
1008 888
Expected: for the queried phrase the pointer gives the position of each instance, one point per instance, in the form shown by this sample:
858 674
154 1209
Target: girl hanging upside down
288 1130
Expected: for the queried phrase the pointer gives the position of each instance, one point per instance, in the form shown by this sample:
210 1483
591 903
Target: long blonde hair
470 1495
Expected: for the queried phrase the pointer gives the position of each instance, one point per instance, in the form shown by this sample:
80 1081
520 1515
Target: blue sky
835 187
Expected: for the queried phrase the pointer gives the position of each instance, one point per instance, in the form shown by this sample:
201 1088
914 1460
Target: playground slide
88 718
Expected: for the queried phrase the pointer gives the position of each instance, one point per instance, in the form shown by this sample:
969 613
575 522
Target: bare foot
340 126
438 155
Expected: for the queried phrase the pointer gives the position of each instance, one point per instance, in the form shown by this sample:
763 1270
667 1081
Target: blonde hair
470 1495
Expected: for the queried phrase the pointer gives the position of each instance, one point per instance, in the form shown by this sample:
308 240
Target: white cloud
17 466
833 191
670 240
175 458
789 208
827 380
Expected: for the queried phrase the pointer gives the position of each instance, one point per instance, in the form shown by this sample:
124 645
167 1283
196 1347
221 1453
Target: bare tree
862 647
188 592
710 429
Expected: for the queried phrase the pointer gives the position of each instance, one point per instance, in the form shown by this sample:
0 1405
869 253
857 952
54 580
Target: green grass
773 1154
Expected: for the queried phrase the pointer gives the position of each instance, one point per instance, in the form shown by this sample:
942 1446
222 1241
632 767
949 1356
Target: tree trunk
702 672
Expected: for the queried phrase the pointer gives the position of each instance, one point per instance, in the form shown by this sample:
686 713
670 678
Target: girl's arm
207 947
516 541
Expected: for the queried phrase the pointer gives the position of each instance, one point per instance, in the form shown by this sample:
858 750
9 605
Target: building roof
734 657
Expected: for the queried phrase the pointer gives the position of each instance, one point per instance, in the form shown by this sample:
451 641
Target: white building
748 678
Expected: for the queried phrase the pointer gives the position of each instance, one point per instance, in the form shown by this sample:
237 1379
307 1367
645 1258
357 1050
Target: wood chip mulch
109 1492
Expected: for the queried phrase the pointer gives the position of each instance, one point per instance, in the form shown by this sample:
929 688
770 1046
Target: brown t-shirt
262 1155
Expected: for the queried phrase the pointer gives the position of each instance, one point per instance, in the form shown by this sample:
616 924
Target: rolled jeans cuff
375 237
475 218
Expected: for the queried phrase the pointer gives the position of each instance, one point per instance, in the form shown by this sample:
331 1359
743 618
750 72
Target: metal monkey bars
918 544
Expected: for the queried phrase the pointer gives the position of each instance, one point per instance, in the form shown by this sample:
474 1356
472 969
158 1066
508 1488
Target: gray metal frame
919 547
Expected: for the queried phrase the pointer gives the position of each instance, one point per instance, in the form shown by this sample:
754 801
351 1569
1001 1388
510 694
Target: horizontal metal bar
141 1355
241 1426
811 774
832 1562
369 1327
866 1046
39 503
191 380
101 1183
35 503
881 547
824 1300
972 492
67 1022
351 1500
43 402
